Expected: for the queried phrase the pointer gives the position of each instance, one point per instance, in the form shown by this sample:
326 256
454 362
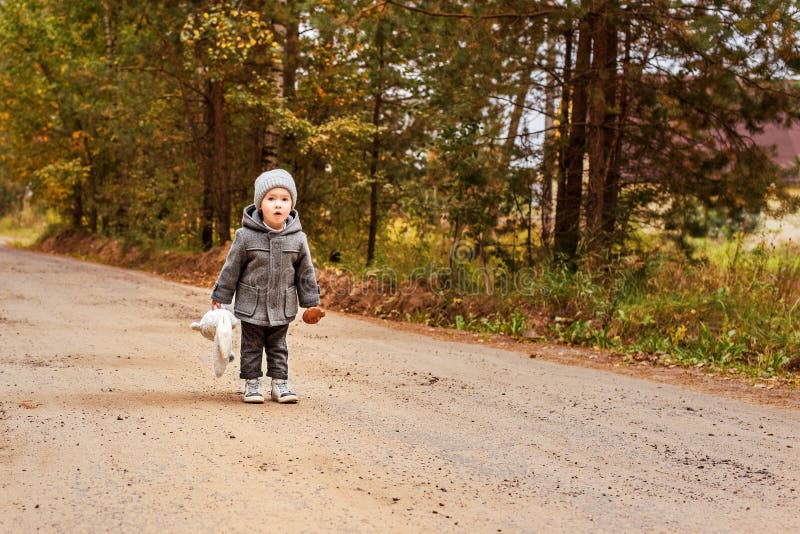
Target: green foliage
513 324
717 349
577 332
357 95
739 311
419 317
58 181
224 38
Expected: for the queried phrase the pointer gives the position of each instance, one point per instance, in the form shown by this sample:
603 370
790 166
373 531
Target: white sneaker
252 391
281 392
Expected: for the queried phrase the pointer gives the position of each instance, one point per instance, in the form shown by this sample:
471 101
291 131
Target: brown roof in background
786 141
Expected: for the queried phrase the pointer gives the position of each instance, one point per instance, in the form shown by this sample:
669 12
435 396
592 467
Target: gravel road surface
109 420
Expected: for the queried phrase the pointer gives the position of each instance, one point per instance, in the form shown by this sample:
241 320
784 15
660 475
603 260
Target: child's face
275 207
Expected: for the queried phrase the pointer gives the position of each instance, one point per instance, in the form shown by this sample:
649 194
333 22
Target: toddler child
269 268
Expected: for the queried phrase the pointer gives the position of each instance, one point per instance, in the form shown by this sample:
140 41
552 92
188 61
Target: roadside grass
26 227
728 308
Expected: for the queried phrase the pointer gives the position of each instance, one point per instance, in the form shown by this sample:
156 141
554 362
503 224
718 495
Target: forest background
584 171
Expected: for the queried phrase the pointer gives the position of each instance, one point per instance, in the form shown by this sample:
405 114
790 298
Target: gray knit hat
274 178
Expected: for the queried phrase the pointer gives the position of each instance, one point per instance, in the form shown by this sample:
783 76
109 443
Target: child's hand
313 315
215 305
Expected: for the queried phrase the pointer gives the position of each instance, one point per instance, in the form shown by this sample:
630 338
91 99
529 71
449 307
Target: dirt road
109 422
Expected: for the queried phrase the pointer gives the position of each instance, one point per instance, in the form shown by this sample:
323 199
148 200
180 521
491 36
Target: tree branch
531 14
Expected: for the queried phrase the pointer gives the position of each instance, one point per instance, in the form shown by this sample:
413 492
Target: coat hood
251 218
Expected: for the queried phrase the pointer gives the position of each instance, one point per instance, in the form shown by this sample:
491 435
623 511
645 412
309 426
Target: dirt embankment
194 268
373 296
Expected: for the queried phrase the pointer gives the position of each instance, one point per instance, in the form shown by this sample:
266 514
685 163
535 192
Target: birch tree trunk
269 149
516 115
508 148
549 154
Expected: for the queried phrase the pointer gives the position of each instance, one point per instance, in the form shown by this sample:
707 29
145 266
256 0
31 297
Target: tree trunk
487 278
529 237
269 151
602 88
107 161
516 115
376 145
207 209
291 50
200 150
611 196
548 147
290 55
513 129
565 106
93 178
568 212
77 206
219 160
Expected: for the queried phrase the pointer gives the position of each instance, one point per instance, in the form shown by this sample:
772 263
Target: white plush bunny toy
219 325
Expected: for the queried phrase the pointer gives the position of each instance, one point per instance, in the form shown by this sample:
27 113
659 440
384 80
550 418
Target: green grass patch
26 227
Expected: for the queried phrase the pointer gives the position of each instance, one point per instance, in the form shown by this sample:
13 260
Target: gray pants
255 339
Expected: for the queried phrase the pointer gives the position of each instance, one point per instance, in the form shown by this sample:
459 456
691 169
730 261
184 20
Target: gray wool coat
268 271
